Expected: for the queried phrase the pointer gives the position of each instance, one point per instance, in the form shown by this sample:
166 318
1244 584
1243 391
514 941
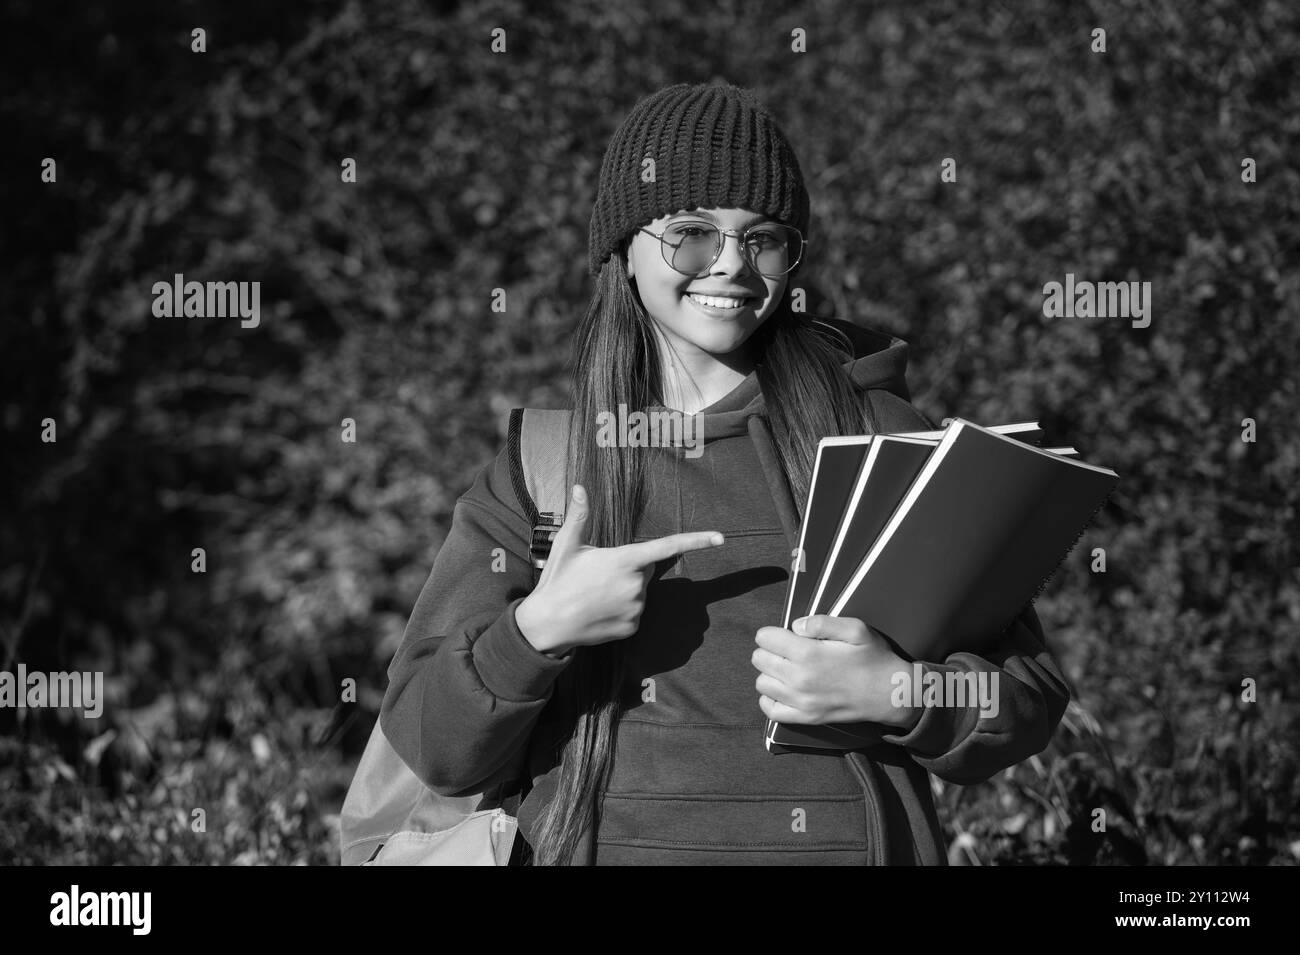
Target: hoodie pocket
795 823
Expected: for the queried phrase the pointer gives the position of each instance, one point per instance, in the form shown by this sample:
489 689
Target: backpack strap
538 442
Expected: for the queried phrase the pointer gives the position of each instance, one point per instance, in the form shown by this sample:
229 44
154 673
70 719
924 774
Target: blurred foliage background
477 171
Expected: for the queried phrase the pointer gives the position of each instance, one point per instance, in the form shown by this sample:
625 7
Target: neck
695 380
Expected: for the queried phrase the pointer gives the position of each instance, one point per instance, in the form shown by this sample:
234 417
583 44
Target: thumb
573 532
825 627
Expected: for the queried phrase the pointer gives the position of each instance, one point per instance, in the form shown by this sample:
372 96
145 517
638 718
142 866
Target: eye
690 230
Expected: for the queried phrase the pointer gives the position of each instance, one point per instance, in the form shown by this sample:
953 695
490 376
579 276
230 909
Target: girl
626 695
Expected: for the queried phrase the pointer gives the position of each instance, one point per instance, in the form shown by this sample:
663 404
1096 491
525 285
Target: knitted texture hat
713 147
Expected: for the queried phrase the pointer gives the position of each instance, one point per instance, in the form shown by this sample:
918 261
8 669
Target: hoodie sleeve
466 687
968 744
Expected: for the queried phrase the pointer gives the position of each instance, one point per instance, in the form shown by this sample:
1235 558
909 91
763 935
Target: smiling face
711 313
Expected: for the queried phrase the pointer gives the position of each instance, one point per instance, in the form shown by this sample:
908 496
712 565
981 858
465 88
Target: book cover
834 470
980 530
891 465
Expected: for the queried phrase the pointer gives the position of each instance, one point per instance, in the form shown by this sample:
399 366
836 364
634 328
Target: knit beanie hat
713 146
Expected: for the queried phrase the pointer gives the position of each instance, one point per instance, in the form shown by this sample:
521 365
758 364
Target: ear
626 252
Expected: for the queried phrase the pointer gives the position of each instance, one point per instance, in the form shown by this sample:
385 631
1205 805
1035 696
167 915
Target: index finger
784 643
644 553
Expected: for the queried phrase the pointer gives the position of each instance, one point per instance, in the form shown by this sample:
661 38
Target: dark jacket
467 702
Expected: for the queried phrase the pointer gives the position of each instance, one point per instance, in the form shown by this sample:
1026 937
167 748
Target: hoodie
469 698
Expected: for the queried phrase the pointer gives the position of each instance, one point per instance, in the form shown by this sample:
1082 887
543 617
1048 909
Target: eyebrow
709 215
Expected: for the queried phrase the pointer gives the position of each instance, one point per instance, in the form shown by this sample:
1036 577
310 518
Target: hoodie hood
879 361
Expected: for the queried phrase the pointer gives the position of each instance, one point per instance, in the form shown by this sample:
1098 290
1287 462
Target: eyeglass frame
722 244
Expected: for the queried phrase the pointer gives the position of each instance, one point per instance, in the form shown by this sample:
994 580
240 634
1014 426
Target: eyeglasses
770 249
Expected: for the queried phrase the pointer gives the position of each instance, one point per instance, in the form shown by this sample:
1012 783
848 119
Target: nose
731 258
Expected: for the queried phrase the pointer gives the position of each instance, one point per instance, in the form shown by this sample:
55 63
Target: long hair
807 396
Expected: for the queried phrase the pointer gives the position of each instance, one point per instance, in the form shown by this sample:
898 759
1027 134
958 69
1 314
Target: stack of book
937 540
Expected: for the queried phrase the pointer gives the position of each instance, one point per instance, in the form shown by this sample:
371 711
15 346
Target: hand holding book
829 670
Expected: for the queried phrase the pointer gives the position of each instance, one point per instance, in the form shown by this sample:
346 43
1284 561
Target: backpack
389 817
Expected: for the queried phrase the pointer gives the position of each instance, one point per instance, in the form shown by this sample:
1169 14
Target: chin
721 344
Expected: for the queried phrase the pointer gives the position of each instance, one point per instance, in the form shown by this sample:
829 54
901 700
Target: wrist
904 718
904 695
539 629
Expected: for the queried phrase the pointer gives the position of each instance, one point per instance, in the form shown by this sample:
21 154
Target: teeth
717 302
